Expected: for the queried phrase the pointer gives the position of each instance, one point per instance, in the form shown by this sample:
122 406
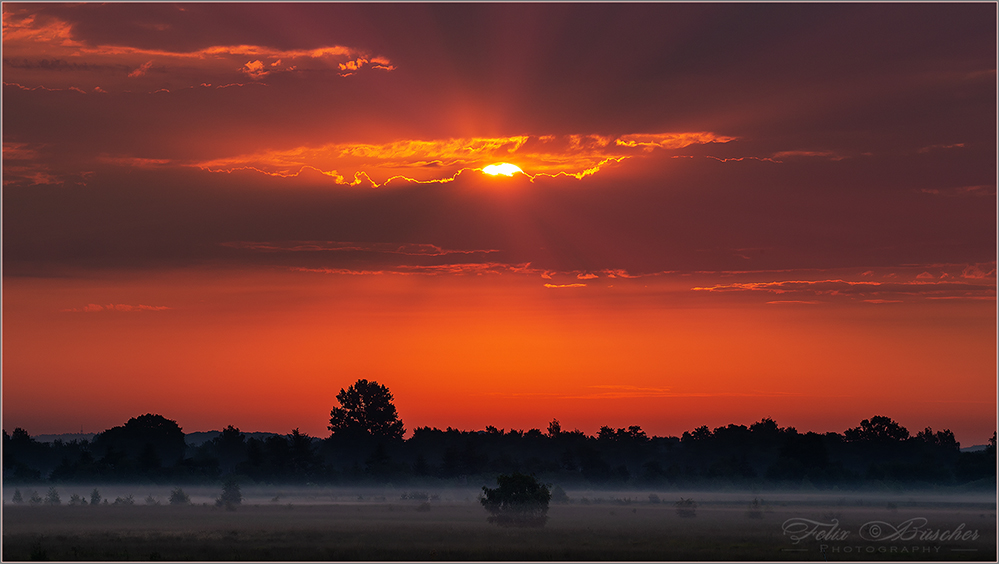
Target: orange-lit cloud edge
26 34
443 160
404 161
886 286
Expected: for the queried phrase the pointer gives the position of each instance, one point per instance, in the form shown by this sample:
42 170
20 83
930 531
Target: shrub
52 498
17 497
95 497
425 506
127 500
150 500
518 501
35 499
559 495
653 498
231 496
686 508
178 497
75 499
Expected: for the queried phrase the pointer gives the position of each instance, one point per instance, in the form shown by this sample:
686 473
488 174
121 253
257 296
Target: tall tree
165 436
366 410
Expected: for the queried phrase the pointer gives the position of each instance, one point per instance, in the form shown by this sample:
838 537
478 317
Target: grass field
597 526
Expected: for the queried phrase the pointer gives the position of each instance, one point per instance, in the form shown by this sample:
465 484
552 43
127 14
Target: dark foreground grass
458 531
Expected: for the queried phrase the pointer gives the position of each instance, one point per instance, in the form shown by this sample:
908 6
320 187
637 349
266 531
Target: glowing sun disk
506 169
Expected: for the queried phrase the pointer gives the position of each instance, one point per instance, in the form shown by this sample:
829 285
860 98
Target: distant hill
974 448
65 437
196 438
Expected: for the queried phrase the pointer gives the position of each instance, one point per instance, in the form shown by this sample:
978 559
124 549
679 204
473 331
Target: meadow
378 524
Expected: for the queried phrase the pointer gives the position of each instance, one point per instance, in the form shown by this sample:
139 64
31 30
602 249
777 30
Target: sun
506 169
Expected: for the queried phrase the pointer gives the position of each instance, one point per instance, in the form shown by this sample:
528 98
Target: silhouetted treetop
366 409
877 429
163 435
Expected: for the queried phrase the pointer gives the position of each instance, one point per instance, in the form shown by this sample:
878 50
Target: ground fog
388 523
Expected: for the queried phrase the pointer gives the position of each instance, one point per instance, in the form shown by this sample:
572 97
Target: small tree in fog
559 495
35 499
231 496
95 497
686 508
519 501
178 497
17 497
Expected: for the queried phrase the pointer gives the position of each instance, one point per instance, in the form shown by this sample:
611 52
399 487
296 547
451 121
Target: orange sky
224 213
268 350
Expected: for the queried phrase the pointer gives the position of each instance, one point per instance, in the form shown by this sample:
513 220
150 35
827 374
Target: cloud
440 160
565 285
28 32
143 68
976 272
254 69
586 276
626 391
431 270
929 148
412 249
670 140
94 308
831 155
974 190
919 288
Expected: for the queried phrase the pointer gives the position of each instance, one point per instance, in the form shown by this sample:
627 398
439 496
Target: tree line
366 445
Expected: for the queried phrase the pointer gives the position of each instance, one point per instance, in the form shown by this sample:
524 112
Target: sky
717 213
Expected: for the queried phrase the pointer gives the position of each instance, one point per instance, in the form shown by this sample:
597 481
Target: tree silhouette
366 409
519 501
178 497
877 429
231 496
230 447
131 439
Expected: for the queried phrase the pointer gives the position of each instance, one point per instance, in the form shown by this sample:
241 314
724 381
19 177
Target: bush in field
127 500
75 499
519 500
231 496
52 498
686 508
35 499
178 497
17 497
95 497
653 498
425 506
559 495
150 500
